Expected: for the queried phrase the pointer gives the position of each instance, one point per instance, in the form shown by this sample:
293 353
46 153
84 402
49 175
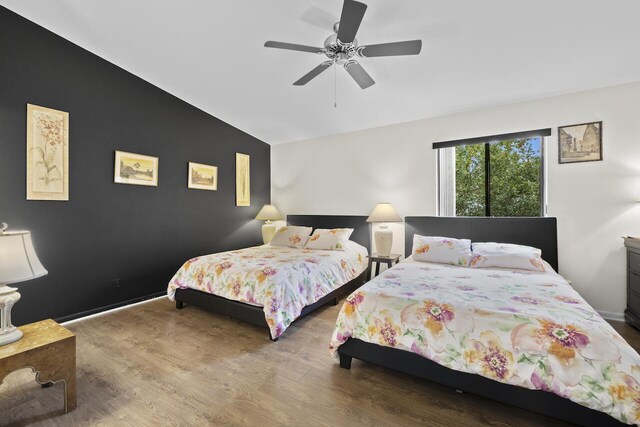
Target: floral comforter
282 280
524 328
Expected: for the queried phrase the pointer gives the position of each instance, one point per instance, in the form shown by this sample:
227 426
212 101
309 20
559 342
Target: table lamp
268 213
384 212
18 262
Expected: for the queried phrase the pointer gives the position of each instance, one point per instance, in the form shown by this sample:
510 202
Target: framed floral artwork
203 177
136 169
47 154
243 187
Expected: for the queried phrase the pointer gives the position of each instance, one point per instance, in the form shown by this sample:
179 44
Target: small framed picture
580 143
136 169
203 177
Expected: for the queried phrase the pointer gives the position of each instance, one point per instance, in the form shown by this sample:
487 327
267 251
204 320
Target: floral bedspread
524 328
282 280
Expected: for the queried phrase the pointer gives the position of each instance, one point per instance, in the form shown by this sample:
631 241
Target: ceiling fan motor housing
340 52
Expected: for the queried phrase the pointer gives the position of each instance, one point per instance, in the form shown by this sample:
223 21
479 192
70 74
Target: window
492 176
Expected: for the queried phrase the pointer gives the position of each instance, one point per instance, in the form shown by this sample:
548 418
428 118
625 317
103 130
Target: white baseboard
609 315
102 313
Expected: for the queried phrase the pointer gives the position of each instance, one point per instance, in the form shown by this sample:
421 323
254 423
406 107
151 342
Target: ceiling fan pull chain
335 86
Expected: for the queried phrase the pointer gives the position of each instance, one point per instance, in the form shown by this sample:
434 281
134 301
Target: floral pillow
291 236
443 250
330 240
506 255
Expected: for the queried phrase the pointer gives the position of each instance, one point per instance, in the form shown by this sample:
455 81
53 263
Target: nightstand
50 350
389 260
632 313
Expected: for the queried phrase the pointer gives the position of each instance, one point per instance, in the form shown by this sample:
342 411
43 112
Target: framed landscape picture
243 190
136 169
580 143
203 177
47 154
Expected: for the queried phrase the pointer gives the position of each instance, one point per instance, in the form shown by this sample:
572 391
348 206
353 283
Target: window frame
487 141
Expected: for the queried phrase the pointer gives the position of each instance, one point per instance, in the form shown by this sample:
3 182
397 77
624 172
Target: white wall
595 202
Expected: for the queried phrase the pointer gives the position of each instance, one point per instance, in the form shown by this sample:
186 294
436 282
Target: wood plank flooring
153 365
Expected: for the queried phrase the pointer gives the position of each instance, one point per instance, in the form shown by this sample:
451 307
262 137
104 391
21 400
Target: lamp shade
384 212
269 213
18 259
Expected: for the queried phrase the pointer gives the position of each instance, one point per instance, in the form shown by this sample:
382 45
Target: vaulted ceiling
475 54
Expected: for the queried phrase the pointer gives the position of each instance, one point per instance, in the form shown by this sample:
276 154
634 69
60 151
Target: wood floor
153 365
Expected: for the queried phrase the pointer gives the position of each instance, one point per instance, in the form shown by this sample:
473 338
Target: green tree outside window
514 175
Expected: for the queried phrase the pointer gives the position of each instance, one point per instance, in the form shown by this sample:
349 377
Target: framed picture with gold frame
136 169
47 154
203 177
243 180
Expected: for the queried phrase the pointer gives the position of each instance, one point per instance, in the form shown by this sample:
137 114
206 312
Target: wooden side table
389 260
50 350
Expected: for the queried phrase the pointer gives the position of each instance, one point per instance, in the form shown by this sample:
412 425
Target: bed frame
537 232
254 314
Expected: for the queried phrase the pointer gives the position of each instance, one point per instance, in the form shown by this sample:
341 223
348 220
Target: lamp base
268 231
384 240
8 332
10 337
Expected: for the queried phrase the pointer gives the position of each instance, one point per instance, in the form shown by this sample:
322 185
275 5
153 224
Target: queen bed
525 338
273 286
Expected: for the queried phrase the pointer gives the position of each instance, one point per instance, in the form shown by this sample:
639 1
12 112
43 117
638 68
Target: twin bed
525 338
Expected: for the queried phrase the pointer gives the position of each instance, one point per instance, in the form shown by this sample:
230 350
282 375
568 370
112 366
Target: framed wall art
243 188
580 143
47 154
203 177
136 169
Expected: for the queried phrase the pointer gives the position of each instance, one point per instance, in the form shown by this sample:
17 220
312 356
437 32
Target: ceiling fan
341 48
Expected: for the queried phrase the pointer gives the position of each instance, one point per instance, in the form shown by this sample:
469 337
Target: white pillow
443 250
506 255
331 240
291 236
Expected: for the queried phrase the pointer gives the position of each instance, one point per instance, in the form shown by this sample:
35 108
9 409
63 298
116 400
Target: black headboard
361 228
540 233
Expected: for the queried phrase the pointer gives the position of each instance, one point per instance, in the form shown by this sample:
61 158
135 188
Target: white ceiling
475 53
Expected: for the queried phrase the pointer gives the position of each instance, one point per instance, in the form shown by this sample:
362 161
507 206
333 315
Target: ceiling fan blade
293 46
312 74
358 73
410 47
352 14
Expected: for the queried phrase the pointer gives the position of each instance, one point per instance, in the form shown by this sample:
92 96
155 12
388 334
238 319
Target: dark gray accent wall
107 232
